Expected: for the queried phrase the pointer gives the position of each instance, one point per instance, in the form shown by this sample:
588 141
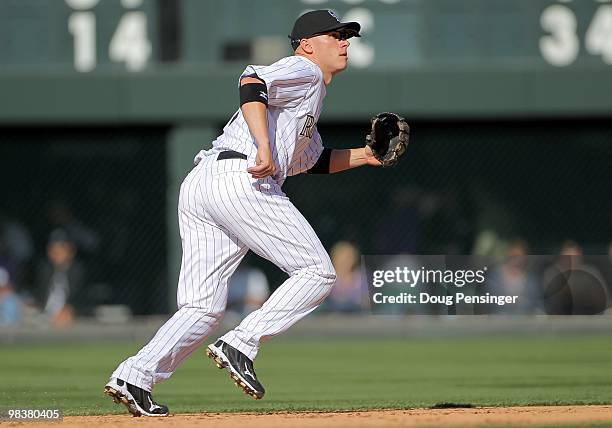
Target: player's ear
306 46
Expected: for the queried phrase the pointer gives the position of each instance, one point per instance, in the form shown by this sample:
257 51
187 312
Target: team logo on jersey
333 14
309 126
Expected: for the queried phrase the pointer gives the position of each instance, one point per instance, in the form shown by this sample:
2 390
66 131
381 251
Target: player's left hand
388 138
370 158
265 163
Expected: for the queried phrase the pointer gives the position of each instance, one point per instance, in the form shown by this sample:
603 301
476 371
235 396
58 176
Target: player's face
332 50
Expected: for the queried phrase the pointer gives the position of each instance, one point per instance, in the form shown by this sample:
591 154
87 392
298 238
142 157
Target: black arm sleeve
322 165
250 92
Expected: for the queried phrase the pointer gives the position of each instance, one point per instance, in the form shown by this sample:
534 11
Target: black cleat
240 368
138 401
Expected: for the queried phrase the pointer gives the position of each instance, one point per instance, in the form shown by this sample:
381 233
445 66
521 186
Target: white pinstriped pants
224 212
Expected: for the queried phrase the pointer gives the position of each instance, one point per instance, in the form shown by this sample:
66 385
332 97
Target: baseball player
232 202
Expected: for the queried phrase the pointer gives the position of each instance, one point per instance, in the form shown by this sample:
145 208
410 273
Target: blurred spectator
248 290
488 243
419 220
10 305
60 279
443 227
61 216
514 278
607 268
349 293
495 221
397 230
572 287
16 247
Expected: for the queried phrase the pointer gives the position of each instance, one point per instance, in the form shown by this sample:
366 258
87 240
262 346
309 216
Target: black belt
230 154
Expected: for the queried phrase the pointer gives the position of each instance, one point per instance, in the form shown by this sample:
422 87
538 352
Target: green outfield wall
178 96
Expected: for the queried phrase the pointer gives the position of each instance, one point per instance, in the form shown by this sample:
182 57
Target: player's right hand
265 163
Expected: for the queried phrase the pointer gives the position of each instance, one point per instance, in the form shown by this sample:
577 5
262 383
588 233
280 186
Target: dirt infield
514 416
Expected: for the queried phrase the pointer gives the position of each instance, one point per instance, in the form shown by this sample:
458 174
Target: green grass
327 375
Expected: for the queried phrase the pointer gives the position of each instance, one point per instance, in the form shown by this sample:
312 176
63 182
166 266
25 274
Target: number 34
561 46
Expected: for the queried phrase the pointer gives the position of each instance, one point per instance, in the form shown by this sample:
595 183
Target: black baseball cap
318 22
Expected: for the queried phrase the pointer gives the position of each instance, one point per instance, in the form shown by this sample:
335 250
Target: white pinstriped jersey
295 96
224 212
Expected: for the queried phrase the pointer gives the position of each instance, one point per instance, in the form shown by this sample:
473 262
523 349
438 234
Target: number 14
130 43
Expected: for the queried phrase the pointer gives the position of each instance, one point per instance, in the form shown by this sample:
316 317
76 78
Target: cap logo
333 14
